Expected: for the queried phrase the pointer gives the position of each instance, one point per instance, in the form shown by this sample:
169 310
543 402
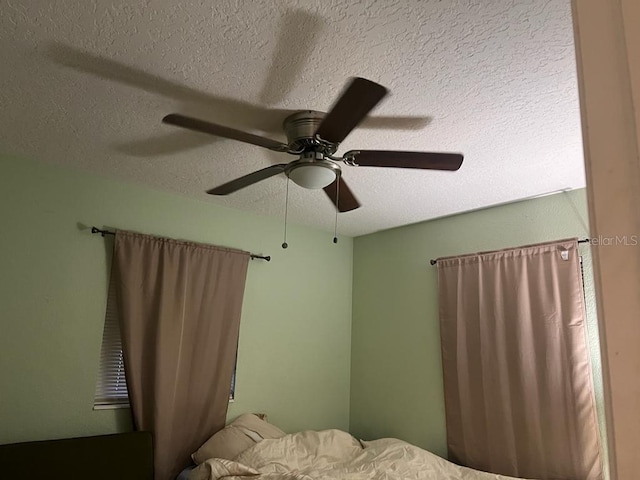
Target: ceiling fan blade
250 179
396 123
356 101
298 33
168 144
236 111
347 200
222 131
394 159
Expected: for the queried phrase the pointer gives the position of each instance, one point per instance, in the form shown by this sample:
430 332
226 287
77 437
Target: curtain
518 387
179 306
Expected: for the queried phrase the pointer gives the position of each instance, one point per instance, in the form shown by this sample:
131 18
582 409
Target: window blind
111 388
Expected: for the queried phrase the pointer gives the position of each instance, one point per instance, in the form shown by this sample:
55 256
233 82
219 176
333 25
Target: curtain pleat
179 306
518 384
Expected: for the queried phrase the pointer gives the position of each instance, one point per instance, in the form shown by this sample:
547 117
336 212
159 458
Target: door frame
608 61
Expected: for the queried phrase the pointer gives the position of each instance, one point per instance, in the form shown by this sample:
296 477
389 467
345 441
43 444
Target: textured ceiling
85 83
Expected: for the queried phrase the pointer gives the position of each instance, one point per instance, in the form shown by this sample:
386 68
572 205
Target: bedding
184 474
337 455
244 432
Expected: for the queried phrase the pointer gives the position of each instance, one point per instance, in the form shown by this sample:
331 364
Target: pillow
244 432
255 424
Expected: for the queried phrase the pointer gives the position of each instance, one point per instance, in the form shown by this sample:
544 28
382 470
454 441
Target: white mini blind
111 389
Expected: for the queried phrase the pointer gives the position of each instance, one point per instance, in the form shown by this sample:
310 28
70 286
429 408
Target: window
232 392
111 388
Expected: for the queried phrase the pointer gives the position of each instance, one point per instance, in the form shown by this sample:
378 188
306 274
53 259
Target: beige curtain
179 306
518 386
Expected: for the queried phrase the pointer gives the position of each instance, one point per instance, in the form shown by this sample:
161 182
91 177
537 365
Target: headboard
126 456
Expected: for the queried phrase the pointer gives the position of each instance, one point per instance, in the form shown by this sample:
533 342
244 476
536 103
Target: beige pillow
235 438
255 424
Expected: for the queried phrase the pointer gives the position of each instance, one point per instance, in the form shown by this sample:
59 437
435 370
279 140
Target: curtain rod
584 240
108 232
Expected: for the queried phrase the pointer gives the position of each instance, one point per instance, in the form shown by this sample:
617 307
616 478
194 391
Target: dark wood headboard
125 456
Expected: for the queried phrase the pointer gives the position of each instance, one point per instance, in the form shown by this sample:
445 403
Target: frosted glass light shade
313 176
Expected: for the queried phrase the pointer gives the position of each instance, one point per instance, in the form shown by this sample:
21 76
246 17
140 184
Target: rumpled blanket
334 454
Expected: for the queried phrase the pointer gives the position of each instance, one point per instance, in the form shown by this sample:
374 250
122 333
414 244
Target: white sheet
337 455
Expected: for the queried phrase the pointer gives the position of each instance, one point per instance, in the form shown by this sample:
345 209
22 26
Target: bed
314 455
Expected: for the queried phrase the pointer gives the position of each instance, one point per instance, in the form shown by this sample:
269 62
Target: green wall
294 350
305 356
396 370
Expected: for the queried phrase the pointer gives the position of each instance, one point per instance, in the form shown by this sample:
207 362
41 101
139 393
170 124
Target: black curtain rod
584 240
107 232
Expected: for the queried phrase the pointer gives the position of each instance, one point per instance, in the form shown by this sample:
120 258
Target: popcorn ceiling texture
86 83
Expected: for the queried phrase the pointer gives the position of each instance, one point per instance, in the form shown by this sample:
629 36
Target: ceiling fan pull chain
286 212
335 226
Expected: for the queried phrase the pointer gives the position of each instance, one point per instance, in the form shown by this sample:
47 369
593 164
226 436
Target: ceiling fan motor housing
301 130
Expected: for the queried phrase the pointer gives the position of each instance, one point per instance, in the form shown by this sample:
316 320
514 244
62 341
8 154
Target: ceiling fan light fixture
313 175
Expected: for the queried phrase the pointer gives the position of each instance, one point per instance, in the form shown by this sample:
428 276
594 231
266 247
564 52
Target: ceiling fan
314 138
